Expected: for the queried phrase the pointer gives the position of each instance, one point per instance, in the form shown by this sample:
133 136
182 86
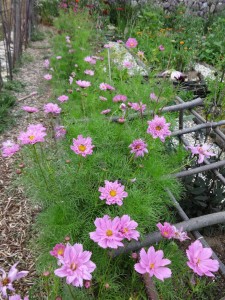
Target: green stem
40 167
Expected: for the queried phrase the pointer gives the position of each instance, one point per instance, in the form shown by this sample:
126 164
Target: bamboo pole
154 237
171 108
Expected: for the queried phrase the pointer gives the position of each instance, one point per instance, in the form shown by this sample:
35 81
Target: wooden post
17 31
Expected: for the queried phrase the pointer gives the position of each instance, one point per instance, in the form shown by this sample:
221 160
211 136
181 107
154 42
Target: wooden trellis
17 18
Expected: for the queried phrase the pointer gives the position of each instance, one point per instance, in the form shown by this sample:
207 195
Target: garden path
16 213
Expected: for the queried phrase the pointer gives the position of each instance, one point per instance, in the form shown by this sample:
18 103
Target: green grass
7 100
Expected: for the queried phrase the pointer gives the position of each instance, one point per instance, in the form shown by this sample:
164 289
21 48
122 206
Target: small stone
212 8
18 171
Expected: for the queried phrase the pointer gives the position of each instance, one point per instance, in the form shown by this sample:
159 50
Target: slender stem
109 66
39 164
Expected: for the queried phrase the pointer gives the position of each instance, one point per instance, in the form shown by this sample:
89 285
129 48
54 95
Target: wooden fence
17 18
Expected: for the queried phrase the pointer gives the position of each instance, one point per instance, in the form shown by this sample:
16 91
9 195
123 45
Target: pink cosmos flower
138 147
201 151
90 60
6 281
48 76
180 235
83 84
161 48
199 260
46 63
9 148
87 284
63 98
105 86
153 263
127 228
82 146
76 265
127 64
103 98
58 250
167 230
58 57
18 297
138 106
70 80
158 128
120 98
52 108
33 135
113 193
153 97
131 43
89 72
60 132
107 233
106 111
30 109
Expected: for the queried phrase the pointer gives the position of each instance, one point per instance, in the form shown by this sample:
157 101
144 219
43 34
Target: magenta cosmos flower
161 48
89 72
9 148
131 43
138 147
106 111
167 230
153 263
76 265
30 109
83 84
201 151
60 131
58 250
7 280
127 228
52 108
63 98
113 193
33 135
138 106
90 60
105 86
107 233
158 128
47 76
199 260
82 146
120 98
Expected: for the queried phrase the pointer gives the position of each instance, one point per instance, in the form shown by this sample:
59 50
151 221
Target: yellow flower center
31 137
125 230
109 232
113 193
158 128
60 252
152 266
165 232
198 261
137 146
5 281
82 148
73 267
